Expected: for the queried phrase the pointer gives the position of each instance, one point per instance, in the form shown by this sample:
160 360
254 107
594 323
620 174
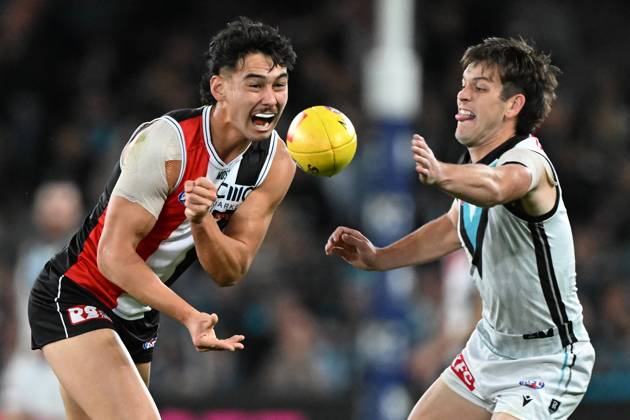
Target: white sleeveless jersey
524 269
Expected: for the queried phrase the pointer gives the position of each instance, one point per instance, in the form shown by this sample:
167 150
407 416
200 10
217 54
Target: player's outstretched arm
227 255
481 185
126 225
428 243
353 247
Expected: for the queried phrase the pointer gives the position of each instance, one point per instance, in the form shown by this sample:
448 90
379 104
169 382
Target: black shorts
59 308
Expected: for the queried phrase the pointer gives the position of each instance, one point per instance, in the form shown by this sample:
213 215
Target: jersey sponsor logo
233 192
532 383
539 334
149 344
460 368
554 405
83 313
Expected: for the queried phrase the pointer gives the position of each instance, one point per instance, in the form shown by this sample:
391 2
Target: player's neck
490 143
227 141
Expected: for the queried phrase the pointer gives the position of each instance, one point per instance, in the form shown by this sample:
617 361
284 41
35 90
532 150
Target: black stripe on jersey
191 257
464 234
516 209
549 284
184 114
475 251
68 256
252 163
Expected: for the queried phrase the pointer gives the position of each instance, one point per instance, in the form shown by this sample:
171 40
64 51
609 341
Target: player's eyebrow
254 76
262 77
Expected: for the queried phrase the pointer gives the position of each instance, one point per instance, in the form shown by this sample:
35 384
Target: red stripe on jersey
173 211
85 271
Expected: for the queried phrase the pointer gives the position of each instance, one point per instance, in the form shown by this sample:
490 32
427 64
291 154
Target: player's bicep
126 223
536 166
513 181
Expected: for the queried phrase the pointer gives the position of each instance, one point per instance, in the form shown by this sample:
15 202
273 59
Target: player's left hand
429 169
200 196
353 247
204 338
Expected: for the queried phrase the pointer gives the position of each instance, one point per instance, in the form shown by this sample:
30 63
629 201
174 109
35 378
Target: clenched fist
200 196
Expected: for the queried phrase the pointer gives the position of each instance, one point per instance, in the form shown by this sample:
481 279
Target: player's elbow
226 276
106 260
226 279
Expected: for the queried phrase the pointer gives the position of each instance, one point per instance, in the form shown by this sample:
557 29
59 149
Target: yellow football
321 140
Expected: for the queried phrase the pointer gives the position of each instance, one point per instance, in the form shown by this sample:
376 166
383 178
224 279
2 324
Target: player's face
480 109
256 94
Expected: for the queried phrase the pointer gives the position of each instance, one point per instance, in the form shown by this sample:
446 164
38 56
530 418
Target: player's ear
514 105
217 87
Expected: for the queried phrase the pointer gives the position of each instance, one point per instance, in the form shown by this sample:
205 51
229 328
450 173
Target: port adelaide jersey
523 266
169 248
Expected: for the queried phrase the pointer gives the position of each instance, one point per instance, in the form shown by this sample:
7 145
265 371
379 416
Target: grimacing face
480 109
256 93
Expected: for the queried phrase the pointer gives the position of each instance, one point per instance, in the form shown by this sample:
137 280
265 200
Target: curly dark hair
522 69
241 37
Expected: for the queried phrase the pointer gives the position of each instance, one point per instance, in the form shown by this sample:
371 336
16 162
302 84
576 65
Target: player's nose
269 97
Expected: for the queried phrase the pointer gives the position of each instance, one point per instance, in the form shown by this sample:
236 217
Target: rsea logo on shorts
83 313
460 368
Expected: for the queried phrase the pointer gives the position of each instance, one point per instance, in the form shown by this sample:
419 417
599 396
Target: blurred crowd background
79 75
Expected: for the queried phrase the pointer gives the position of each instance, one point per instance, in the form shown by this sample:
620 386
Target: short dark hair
522 69
241 37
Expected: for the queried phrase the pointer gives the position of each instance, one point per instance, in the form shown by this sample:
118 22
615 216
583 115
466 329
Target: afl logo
182 197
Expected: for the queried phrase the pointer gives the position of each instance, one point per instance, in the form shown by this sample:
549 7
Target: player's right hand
201 329
353 247
200 196
429 169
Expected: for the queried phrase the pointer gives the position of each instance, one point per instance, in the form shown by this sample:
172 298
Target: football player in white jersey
94 308
530 356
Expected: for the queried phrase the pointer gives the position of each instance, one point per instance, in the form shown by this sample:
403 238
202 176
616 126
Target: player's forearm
129 272
473 183
225 259
426 244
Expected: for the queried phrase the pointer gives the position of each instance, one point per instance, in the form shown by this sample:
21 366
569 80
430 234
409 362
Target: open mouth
263 120
464 115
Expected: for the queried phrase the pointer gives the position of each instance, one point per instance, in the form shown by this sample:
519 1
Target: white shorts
533 388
